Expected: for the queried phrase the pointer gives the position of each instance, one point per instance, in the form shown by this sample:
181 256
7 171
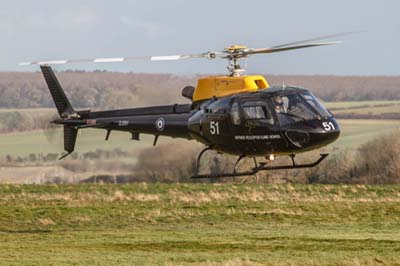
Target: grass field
357 104
37 141
377 110
24 143
197 224
364 107
354 133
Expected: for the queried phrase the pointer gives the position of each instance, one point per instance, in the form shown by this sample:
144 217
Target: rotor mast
235 54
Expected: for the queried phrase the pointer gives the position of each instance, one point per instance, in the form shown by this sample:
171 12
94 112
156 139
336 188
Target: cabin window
235 114
254 112
257 111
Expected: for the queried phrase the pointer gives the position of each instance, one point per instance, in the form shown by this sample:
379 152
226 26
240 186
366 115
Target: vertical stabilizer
63 106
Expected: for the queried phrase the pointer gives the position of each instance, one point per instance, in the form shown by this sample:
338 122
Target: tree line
100 90
92 89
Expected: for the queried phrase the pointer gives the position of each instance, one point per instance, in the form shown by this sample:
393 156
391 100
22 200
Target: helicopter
235 114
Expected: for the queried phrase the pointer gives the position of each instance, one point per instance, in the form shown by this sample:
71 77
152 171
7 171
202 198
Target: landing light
271 157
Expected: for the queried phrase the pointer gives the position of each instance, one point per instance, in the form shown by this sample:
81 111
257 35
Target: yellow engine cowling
220 86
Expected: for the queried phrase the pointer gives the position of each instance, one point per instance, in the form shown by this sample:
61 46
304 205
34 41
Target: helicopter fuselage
274 121
236 114
253 124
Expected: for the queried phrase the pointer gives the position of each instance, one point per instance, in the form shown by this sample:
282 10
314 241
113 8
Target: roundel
160 124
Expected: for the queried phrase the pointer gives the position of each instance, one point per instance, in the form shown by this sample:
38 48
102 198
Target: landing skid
258 167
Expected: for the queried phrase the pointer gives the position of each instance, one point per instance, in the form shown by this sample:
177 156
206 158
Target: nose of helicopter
327 132
320 133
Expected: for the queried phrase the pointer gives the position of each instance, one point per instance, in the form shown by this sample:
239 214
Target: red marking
91 122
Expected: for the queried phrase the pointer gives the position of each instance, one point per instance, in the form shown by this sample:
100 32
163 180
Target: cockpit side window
219 106
257 111
235 114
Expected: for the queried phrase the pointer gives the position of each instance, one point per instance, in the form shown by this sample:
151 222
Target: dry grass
323 193
232 262
46 221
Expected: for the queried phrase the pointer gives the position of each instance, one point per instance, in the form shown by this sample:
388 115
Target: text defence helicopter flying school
236 114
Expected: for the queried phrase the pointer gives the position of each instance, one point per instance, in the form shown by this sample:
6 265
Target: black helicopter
235 114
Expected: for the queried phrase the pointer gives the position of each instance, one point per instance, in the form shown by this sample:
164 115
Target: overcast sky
58 29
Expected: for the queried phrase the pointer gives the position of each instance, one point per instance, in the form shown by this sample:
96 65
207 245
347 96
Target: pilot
281 104
285 101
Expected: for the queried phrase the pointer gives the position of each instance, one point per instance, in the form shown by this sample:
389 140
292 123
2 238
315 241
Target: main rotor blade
320 38
226 54
286 48
115 59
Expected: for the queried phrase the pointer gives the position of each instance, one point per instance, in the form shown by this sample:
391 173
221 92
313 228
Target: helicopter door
215 125
259 129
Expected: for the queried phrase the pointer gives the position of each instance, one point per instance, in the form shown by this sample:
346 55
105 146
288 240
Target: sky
70 29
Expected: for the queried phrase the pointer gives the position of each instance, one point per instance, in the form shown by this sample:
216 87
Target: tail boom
168 120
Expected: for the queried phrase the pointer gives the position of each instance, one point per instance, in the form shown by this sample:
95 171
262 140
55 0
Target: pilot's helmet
278 100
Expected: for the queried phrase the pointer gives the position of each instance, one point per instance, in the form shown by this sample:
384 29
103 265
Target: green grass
364 107
354 133
38 141
376 110
24 143
195 224
355 104
358 131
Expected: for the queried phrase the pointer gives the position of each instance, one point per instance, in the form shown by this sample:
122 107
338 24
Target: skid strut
198 160
258 167
237 162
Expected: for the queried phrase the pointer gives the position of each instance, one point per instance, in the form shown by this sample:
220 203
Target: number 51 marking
328 126
214 128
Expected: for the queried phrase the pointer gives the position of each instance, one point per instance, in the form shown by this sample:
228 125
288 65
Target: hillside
110 90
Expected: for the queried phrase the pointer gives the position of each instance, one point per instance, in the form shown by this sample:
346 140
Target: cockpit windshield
293 107
312 100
